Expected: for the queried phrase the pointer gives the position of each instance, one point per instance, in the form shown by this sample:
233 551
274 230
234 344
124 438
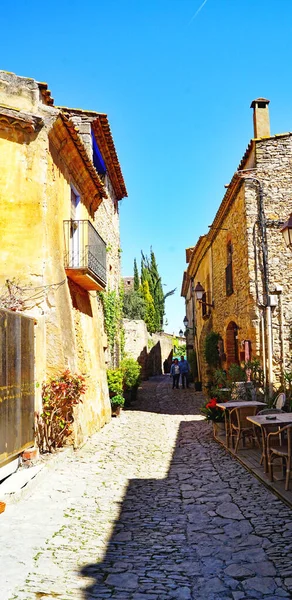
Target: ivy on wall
112 303
211 352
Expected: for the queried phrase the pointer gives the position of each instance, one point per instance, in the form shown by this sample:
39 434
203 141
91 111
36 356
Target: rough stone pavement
151 508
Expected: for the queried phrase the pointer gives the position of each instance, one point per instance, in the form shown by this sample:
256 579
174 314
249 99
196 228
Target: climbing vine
211 352
112 302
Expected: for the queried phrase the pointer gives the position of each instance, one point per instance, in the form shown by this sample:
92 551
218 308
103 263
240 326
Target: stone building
243 264
60 186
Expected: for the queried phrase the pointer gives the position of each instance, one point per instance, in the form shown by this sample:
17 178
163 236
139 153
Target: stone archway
231 345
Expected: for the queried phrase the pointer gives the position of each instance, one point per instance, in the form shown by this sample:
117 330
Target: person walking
184 368
175 373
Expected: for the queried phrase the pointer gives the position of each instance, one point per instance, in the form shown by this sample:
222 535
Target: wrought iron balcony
85 255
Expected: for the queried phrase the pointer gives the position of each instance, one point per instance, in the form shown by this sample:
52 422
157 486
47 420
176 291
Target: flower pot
116 410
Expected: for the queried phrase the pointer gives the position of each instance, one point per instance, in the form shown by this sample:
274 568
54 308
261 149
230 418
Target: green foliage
150 315
131 373
288 381
121 329
236 373
151 291
112 309
125 377
220 378
59 396
256 371
136 277
150 344
179 350
212 412
117 400
134 305
115 381
211 352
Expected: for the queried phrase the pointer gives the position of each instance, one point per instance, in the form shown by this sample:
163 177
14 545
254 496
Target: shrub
134 305
211 349
131 373
117 400
54 424
115 381
236 373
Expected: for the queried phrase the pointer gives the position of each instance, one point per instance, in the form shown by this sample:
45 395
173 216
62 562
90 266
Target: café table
264 422
227 406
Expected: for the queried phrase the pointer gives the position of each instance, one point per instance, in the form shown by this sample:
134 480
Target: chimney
261 118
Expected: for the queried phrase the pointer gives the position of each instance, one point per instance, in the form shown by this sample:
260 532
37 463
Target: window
228 270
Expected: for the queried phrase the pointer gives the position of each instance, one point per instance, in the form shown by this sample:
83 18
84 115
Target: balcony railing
85 255
229 279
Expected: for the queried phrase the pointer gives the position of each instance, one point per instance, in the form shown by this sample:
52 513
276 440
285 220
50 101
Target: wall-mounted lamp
199 291
180 333
287 232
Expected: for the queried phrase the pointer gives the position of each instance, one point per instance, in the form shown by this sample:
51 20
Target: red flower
212 403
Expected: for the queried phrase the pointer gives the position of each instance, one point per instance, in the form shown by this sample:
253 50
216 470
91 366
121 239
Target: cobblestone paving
150 509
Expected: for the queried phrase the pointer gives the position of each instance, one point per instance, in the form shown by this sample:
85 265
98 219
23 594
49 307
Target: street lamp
287 232
180 333
199 291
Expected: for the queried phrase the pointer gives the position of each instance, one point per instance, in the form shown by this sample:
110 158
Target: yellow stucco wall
34 202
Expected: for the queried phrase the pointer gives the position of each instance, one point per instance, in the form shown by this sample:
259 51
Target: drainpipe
270 349
264 248
264 348
195 329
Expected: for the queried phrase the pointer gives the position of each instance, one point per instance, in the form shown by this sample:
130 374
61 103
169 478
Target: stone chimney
261 118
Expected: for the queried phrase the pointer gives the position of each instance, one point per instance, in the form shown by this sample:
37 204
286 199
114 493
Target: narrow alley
151 508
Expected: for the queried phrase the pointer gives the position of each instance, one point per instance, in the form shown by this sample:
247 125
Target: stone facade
244 265
43 159
153 351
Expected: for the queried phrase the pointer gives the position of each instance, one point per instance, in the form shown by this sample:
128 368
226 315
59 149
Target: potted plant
117 402
215 415
131 378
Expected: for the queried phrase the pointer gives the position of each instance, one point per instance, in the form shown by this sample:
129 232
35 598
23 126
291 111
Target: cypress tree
150 316
158 296
136 277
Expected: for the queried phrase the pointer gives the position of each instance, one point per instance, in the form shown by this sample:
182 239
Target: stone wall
273 162
151 351
241 316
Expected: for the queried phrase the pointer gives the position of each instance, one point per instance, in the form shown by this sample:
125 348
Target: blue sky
176 78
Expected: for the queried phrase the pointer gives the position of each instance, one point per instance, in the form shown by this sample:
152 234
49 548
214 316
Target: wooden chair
272 428
283 452
280 401
240 426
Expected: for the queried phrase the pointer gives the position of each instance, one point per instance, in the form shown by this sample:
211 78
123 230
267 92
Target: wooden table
264 423
227 406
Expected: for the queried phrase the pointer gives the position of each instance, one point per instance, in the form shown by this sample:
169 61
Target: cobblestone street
151 508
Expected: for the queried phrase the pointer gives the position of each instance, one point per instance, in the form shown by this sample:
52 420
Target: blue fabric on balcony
97 157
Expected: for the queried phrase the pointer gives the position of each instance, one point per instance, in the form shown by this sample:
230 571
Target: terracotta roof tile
102 131
78 142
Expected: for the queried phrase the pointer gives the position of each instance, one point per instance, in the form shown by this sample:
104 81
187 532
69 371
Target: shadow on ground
190 535
153 549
